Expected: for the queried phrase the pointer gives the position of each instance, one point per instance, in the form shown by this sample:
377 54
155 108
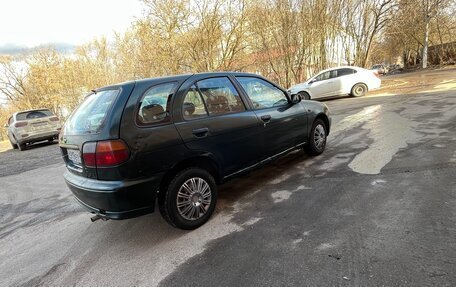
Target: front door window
262 94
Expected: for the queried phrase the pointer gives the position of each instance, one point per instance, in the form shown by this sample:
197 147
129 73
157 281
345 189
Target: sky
31 23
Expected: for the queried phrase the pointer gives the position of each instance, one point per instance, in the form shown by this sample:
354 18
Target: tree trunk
425 48
426 36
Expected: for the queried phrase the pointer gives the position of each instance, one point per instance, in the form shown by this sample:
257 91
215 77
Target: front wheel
189 199
359 90
317 138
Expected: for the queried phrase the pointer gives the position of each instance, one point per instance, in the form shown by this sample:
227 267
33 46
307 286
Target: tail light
54 119
20 124
89 154
105 153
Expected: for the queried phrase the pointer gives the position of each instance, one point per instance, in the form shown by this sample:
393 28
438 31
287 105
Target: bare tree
285 40
429 9
12 80
412 30
365 19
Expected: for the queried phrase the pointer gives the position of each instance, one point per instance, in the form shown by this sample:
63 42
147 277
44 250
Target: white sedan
339 81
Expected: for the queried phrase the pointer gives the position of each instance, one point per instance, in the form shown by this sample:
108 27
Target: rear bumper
40 136
374 85
115 199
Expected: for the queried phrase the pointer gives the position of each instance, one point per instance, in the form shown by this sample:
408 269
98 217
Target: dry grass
4 146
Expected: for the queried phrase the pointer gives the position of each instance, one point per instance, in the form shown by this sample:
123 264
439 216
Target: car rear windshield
91 113
33 115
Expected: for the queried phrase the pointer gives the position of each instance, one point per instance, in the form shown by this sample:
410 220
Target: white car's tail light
20 124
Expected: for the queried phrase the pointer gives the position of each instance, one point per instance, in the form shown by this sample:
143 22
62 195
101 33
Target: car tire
14 146
189 199
359 90
317 138
22 146
304 96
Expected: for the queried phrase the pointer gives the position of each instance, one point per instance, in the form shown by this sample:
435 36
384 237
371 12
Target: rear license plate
74 155
39 124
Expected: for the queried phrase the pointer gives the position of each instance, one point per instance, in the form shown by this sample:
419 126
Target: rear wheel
14 146
189 199
304 95
359 90
22 146
317 138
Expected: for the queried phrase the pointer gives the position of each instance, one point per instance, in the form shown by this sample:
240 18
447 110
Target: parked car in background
174 139
27 127
380 68
395 68
339 81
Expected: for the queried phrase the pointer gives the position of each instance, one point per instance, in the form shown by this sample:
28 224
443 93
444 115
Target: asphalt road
377 208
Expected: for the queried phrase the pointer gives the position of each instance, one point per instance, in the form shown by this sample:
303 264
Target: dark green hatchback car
173 139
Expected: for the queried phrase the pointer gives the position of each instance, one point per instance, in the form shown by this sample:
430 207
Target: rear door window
90 115
154 106
220 96
33 115
345 72
193 106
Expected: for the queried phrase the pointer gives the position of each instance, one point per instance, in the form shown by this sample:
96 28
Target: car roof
181 77
341 67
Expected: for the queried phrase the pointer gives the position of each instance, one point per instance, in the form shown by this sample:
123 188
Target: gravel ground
37 155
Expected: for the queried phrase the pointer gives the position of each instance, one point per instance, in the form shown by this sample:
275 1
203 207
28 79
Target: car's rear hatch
37 121
96 119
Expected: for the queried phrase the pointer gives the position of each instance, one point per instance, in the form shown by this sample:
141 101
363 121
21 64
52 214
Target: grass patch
4 146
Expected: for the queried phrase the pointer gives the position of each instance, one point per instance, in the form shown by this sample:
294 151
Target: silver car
32 126
381 69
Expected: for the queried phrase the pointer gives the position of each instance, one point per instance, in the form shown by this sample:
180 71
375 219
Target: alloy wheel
359 90
319 136
193 198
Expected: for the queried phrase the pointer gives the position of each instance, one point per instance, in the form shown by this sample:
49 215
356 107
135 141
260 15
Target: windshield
89 116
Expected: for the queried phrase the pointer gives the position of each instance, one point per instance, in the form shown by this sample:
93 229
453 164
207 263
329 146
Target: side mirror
5 125
295 98
312 81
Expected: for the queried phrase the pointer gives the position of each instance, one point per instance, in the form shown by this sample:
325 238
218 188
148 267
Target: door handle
265 118
200 133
